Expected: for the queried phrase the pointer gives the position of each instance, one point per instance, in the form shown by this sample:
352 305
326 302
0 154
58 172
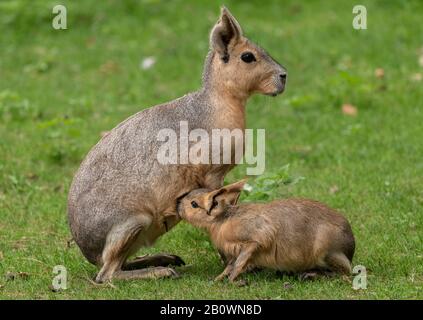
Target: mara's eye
248 57
194 204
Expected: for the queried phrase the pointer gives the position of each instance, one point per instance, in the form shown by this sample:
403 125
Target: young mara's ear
227 196
208 199
226 32
215 202
230 193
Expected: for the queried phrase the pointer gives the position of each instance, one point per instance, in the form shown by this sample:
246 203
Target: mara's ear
234 187
226 32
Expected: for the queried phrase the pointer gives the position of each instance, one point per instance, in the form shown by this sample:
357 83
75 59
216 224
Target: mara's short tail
339 263
348 243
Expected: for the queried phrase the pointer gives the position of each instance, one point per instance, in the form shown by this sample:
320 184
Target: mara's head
202 206
238 65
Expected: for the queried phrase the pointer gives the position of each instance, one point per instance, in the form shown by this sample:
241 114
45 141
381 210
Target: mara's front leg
227 271
242 261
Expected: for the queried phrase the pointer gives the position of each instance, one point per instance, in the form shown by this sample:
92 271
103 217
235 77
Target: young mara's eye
194 204
248 57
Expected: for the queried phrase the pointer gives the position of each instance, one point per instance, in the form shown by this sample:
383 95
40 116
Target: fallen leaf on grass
302 150
349 110
147 63
333 189
31 176
417 77
109 67
379 73
1 255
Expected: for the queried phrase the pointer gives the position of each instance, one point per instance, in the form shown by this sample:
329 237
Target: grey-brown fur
292 235
121 198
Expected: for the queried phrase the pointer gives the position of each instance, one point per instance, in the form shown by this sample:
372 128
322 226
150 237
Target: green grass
60 89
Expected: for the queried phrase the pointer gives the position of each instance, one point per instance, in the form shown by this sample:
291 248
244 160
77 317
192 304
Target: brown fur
293 235
121 198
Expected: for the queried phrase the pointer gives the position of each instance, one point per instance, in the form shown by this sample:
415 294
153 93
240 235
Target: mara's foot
157 260
147 273
307 276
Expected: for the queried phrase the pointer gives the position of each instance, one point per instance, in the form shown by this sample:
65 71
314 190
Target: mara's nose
283 76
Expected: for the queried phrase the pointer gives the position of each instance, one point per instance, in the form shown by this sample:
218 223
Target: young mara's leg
242 260
228 269
223 258
157 260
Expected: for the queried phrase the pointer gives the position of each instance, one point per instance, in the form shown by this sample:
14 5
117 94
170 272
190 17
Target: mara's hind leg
156 260
119 241
117 248
338 263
